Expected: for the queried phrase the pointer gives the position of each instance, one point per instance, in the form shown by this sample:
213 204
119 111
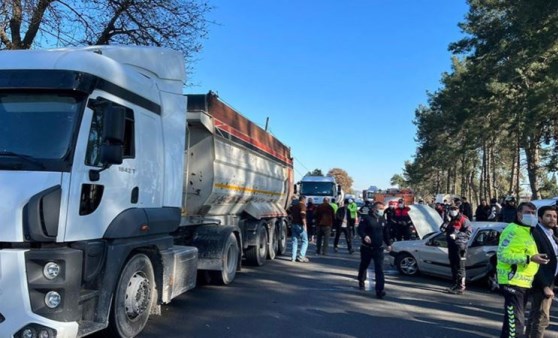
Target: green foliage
342 178
499 101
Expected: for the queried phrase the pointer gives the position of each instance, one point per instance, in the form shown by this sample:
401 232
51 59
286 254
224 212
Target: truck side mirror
111 154
112 149
295 189
113 124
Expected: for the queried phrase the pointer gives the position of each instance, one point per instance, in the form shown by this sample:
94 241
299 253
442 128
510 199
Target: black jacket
459 226
546 274
376 229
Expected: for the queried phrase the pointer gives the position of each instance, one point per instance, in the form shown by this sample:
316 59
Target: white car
430 254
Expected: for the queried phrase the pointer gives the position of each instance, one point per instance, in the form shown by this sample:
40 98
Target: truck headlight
29 333
36 331
51 270
53 299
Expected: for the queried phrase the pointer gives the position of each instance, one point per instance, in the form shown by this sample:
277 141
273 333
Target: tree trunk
533 165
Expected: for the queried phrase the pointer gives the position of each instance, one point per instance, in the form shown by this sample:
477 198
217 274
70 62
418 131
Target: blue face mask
530 220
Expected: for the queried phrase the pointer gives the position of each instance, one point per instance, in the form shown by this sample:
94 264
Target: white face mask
380 213
401 205
453 213
530 220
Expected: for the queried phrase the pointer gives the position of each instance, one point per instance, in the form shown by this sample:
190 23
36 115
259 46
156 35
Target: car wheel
407 264
492 278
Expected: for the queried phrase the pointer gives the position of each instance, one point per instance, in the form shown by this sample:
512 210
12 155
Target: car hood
425 219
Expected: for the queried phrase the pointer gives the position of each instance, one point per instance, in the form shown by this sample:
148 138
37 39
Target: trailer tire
273 243
230 263
133 297
257 254
283 235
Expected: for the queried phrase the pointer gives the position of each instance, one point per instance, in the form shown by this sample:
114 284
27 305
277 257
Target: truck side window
95 137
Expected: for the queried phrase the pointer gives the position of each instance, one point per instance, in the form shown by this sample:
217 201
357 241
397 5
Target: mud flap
210 241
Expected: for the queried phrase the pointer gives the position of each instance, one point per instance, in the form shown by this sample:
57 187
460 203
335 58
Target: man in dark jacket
507 214
458 231
543 285
466 209
344 223
482 212
325 217
375 237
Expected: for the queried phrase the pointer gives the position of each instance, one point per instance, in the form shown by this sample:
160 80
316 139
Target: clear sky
339 80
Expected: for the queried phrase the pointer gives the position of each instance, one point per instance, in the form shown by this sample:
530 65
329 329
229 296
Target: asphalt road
321 299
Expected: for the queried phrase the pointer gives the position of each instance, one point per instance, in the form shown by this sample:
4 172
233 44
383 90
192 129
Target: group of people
373 230
527 265
527 269
319 220
496 212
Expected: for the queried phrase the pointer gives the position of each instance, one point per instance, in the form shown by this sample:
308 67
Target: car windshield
37 125
316 188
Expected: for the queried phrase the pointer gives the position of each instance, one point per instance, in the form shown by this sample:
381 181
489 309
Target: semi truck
118 191
318 187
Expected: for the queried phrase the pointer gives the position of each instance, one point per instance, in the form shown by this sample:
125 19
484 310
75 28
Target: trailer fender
211 242
251 231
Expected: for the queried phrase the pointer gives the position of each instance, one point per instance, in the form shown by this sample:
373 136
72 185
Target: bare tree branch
15 23
35 22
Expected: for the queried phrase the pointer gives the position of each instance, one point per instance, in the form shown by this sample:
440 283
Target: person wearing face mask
518 262
389 212
458 231
375 237
542 292
402 221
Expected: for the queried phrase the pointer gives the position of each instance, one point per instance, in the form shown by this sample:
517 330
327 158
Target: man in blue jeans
299 229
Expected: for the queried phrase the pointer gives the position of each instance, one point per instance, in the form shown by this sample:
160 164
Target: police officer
375 237
458 231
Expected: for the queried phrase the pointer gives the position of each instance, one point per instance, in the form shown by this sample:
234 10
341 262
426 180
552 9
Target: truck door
99 193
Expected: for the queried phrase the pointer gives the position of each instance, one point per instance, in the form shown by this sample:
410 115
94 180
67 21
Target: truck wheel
282 239
230 262
257 254
273 243
133 297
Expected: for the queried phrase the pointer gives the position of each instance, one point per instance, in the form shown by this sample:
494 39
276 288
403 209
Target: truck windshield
37 125
316 188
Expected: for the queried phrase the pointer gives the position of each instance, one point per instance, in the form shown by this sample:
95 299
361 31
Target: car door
433 256
482 248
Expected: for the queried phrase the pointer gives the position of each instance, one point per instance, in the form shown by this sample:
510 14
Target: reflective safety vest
514 256
352 207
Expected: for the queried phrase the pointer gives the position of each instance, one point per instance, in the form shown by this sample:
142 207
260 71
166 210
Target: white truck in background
117 190
318 187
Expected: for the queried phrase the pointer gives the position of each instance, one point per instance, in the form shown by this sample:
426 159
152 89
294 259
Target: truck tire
273 245
283 235
133 297
257 254
230 262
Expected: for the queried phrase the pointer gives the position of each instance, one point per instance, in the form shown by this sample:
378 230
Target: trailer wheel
273 243
133 297
282 239
257 254
230 262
